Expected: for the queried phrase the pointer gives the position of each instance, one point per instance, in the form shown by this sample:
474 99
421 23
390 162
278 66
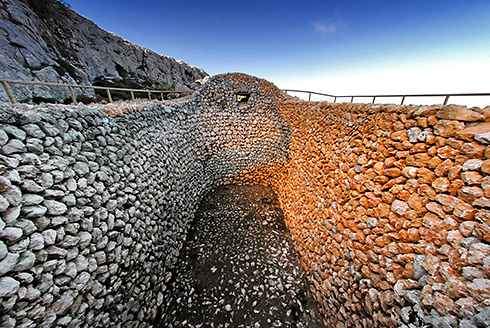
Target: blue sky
338 47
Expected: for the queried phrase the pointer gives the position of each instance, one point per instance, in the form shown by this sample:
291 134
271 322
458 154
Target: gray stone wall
94 208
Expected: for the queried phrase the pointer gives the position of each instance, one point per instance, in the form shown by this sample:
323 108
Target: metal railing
445 95
5 83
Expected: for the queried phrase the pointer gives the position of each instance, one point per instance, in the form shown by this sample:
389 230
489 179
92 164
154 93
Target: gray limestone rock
11 233
54 207
12 147
8 263
26 261
8 286
4 204
3 250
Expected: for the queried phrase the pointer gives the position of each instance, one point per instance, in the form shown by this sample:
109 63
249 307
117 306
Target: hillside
44 40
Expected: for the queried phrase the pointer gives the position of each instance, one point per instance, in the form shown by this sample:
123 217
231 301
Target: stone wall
95 202
388 205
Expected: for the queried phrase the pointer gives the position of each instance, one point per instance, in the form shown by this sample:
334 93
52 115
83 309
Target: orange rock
482 202
425 175
447 152
469 133
472 177
482 231
443 168
483 216
399 207
427 191
417 202
454 172
431 264
434 162
448 202
422 122
469 194
419 148
448 128
460 113
427 234
464 211
432 221
473 150
441 185
455 186
443 304
419 159
485 167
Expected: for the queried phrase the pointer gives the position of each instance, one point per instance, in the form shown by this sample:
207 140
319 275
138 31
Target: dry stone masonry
389 206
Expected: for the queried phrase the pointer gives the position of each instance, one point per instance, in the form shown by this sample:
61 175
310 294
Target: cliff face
44 40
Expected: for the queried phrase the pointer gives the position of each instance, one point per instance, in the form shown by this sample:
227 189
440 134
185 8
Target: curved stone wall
388 205
94 207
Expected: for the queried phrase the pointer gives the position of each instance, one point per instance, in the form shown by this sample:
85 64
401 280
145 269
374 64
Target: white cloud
324 28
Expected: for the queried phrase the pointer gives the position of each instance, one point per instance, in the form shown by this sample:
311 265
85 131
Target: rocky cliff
44 40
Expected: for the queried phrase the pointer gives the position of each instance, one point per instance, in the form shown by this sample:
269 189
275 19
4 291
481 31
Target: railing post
109 95
309 96
374 99
161 95
403 100
351 99
72 95
334 100
9 92
149 96
132 95
446 100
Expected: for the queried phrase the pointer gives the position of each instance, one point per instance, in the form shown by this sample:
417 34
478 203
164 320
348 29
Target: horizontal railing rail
5 83
403 96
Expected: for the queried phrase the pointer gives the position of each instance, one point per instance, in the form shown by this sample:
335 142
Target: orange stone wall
389 207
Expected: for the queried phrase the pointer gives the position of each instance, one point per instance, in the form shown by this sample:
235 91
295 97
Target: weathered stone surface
8 286
460 113
448 128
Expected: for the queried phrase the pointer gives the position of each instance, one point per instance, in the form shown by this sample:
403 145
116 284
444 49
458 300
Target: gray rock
3 137
69 200
4 204
8 286
32 186
49 236
32 294
32 199
14 132
85 238
81 263
11 215
413 134
8 263
37 241
55 207
81 168
34 211
13 146
11 233
49 129
3 250
25 262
